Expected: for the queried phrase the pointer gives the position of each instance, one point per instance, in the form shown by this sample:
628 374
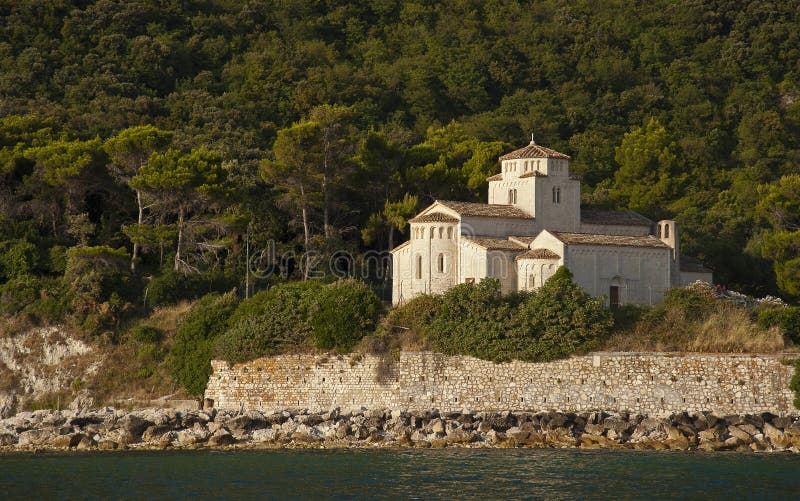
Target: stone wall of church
642 274
655 384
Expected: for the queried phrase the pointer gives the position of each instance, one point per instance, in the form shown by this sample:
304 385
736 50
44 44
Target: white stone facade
533 224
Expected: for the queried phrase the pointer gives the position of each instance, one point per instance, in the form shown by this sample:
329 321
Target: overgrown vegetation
557 320
693 319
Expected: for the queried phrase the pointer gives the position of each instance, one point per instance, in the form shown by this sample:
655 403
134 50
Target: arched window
666 231
554 195
441 263
526 166
558 195
510 197
450 232
659 230
441 232
419 267
432 230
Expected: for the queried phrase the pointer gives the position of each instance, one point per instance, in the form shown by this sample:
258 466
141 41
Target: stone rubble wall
652 384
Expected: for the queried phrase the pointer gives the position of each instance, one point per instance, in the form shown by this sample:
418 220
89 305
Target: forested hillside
140 140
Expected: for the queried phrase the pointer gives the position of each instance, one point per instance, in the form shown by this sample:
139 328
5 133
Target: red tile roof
614 217
495 243
485 210
533 150
434 217
612 240
538 254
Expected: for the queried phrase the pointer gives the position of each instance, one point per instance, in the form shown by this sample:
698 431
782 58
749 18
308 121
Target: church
533 224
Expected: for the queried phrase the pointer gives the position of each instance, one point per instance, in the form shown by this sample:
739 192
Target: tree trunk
325 195
180 238
306 235
140 221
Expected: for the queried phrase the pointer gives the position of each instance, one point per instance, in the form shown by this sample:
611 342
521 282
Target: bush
554 321
146 334
787 319
18 293
269 323
17 258
794 384
345 312
692 302
172 287
190 356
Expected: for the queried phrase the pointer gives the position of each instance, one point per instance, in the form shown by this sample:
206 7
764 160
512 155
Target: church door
614 296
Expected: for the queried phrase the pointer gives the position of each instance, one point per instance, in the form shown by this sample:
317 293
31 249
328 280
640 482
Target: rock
67 441
7 439
225 438
739 433
154 432
459 436
438 443
86 443
495 437
36 437
589 441
776 437
782 422
190 437
263 435
437 426
341 430
107 445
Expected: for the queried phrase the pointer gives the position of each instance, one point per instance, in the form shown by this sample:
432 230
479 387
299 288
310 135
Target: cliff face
44 363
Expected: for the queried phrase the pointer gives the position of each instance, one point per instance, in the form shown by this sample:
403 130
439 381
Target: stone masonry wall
654 384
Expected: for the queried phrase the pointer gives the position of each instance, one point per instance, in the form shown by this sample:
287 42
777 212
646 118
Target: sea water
404 474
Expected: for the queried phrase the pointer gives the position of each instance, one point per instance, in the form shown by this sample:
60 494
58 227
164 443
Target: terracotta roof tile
613 240
485 210
533 150
495 243
533 173
496 177
401 246
614 217
525 240
434 217
538 254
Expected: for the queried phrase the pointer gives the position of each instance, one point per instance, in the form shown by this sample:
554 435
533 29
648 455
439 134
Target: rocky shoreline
158 429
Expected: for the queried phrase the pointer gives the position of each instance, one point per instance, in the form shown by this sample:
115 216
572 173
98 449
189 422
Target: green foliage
17 258
555 321
190 356
18 293
147 334
173 286
692 303
794 384
344 313
787 318
271 322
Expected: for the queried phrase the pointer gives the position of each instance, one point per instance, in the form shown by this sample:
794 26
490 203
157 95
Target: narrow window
554 195
526 166
450 232
659 231
666 231
558 195
441 263
613 294
441 232
432 229
419 267
510 196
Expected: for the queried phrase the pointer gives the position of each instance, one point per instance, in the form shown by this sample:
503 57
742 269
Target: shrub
269 323
190 356
794 384
18 293
345 312
787 319
172 287
17 258
146 334
692 302
556 320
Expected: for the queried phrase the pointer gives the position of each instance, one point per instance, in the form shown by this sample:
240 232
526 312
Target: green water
426 474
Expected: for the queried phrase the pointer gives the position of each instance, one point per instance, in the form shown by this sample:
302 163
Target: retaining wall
654 384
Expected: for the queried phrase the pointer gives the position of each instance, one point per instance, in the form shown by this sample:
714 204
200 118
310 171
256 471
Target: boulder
263 435
36 437
86 443
7 439
437 426
776 437
459 436
223 438
107 445
740 434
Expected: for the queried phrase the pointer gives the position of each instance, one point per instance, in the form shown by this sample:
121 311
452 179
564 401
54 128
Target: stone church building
533 224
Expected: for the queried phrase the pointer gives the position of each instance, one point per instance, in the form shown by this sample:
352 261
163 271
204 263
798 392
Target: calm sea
425 474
